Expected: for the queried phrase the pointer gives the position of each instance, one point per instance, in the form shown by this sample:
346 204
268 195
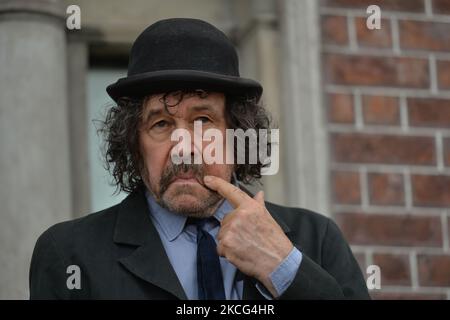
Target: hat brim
144 84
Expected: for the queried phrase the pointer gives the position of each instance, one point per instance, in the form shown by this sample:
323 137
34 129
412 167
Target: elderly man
188 230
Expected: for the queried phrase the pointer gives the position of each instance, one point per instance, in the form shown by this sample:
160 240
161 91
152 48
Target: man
187 230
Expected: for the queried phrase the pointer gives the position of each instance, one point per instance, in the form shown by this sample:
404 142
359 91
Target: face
180 188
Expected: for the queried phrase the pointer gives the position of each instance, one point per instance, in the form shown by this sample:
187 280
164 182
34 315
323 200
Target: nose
187 146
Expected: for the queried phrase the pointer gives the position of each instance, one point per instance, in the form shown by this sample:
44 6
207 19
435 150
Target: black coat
121 256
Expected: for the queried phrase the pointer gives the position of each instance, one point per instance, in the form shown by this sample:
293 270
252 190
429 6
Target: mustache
171 172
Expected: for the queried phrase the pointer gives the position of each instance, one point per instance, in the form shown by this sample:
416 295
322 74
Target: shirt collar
224 208
172 224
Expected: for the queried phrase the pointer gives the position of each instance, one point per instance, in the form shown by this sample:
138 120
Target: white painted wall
98 102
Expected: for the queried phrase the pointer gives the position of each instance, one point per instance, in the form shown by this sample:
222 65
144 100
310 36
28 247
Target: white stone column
77 61
35 188
304 132
259 48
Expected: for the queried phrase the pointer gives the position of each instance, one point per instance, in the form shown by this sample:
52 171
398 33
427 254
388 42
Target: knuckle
259 206
233 225
238 192
226 241
244 211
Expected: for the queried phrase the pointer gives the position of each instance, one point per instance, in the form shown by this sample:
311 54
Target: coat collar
149 260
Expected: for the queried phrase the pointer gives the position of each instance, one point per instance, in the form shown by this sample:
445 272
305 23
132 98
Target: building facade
364 118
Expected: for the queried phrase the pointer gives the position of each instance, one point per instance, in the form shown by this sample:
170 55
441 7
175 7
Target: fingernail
207 179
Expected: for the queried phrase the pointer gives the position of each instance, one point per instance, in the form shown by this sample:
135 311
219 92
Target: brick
376 71
441 6
379 38
443 74
424 35
390 230
381 110
386 189
388 5
431 190
434 270
389 149
346 188
377 295
334 30
340 108
395 269
447 151
425 112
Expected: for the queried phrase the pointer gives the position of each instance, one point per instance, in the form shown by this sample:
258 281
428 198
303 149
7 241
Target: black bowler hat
179 53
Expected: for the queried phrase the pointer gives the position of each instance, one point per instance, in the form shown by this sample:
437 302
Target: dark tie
209 273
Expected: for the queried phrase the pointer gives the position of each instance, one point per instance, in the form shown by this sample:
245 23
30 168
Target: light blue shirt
180 242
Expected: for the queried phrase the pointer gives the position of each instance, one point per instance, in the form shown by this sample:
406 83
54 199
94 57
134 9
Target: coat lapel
149 260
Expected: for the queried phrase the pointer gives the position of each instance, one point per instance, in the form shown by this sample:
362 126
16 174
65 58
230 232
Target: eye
161 124
203 119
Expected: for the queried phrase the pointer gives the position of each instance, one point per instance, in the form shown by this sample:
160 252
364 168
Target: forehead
214 102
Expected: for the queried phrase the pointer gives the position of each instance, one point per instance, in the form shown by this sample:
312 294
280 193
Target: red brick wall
387 94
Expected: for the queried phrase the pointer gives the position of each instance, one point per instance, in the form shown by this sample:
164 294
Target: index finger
230 192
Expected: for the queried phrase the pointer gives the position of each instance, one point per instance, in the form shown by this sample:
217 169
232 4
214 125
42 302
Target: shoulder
295 217
85 230
312 232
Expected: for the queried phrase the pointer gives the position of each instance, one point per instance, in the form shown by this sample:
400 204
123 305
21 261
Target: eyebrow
152 114
198 108
204 107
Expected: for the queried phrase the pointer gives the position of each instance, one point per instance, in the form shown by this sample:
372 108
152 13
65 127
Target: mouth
189 178
186 178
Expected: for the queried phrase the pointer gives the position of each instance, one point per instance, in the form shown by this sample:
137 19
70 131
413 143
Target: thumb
259 197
